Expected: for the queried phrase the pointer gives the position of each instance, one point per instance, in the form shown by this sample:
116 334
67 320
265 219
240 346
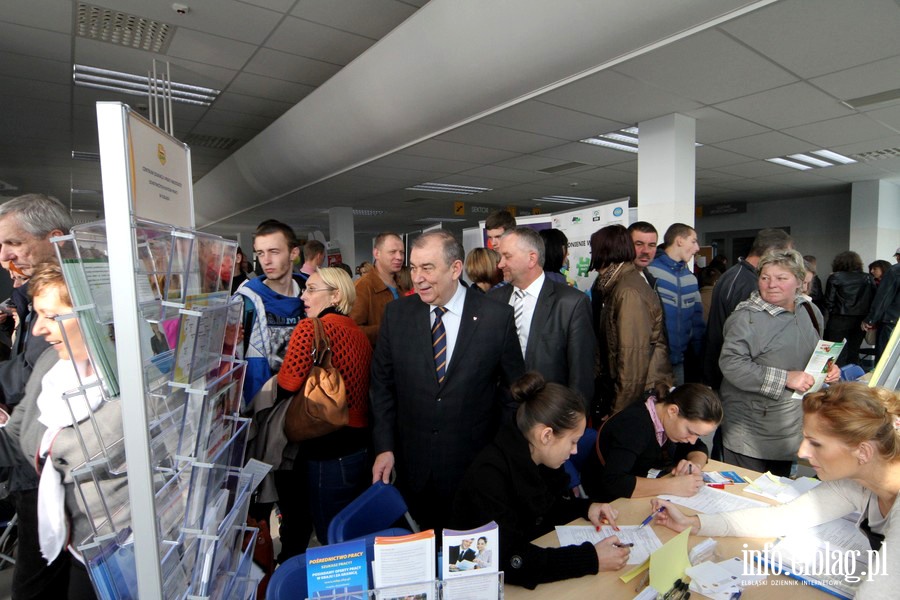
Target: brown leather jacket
371 298
631 334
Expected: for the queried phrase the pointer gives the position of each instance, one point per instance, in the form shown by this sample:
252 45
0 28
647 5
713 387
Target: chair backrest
376 509
574 464
289 580
851 372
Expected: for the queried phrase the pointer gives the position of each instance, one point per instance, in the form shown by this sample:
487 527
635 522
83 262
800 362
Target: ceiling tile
42 14
757 168
250 105
715 126
423 163
604 175
225 117
844 130
371 18
35 42
708 67
491 136
505 174
860 81
298 69
587 153
547 119
788 106
215 50
267 87
888 116
319 42
765 145
815 37
451 150
632 102
710 157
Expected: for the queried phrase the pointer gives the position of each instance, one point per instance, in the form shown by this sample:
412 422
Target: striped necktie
519 312
439 343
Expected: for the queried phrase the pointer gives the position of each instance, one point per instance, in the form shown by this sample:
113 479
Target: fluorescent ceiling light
566 200
810 160
834 156
439 220
367 212
449 188
625 140
789 163
139 85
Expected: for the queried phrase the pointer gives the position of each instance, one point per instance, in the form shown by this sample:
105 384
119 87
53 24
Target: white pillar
666 171
340 230
875 220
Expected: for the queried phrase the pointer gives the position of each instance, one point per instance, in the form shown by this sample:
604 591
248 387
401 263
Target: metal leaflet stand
117 175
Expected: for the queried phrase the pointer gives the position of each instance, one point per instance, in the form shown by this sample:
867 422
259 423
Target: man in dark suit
553 321
442 365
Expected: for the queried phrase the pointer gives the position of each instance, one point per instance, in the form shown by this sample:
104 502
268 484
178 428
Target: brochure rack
187 332
477 587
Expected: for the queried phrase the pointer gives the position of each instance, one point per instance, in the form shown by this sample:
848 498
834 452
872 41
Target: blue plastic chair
574 464
373 512
851 372
289 580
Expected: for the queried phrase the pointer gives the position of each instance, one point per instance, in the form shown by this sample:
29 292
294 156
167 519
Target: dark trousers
33 578
332 485
781 468
840 327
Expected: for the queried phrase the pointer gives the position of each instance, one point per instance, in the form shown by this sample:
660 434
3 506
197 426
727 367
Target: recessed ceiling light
449 188
566 200
439 220
139 85
839 158
625 140
822 159
810 160
789 163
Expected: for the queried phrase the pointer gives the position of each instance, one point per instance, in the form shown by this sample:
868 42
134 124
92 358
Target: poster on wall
161 174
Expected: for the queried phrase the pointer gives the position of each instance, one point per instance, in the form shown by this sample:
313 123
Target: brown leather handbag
320 406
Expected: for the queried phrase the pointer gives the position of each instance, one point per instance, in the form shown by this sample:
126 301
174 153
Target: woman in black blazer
653 447
518 481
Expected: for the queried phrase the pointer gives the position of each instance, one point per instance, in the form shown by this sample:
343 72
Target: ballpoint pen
650 518
628 545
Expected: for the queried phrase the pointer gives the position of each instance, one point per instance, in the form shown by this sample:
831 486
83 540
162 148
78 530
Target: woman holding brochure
769 338
49 428
851 437
518 481
655 437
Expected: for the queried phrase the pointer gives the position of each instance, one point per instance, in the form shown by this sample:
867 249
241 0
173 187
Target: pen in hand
646 521
628 545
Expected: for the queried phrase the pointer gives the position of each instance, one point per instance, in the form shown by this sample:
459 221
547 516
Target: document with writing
644 539
819 363
710 501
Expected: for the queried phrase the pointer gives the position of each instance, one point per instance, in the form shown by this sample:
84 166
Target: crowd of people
469 397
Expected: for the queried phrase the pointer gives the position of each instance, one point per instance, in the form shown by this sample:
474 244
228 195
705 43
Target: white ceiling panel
586 153
32 67
765 145
424 163
709 67
267 87
754 169
33 88
888 116
453 151
810 37
251 105
844 130
42 43
605 175
42 14
227 117
281 65
370 18
547 119
614 96
863 80
505 174
788 106
710 157
715 126
531 162
215 50
281 6
858 147
491 136
320 42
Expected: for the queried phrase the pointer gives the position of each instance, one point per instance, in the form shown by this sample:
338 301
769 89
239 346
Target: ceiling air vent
211 141
562 167
122 29
877 154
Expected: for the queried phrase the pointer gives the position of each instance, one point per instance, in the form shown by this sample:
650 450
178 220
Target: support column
875 220
341 231
666 171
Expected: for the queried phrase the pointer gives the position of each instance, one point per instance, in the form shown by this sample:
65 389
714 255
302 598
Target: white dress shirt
530 302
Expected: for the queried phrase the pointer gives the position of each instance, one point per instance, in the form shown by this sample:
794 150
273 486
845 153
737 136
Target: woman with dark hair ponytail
518 481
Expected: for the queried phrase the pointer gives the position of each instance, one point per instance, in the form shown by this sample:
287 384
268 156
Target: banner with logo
161 171
578 225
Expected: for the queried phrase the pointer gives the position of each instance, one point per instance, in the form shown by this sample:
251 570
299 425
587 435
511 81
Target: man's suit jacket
436 430
561 341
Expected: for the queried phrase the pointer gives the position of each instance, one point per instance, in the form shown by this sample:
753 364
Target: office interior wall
820 225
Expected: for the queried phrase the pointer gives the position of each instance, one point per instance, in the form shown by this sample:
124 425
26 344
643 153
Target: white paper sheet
710 501
644 539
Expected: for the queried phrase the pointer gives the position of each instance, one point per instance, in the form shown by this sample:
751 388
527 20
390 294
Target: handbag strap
321 343
812 316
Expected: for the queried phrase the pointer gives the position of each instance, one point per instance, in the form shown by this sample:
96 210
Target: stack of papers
781 489
709 500
643 538
720 581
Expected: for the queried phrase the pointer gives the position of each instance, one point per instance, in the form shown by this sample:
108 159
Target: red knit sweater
351 354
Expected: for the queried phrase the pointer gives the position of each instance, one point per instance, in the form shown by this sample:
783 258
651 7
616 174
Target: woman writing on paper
851 437
331 470
518 481
769 338
659 437
49 429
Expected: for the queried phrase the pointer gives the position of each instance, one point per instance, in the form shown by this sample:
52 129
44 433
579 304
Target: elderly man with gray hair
553 320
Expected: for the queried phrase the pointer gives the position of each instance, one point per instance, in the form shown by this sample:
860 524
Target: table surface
631 512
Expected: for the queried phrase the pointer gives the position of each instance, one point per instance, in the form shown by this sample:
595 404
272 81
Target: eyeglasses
324 289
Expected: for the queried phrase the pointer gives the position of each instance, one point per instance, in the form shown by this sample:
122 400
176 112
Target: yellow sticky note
626 577
667 564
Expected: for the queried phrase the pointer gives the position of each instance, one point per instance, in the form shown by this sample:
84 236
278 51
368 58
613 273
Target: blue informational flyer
337 571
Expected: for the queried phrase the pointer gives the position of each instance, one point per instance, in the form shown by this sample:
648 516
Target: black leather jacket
849 293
